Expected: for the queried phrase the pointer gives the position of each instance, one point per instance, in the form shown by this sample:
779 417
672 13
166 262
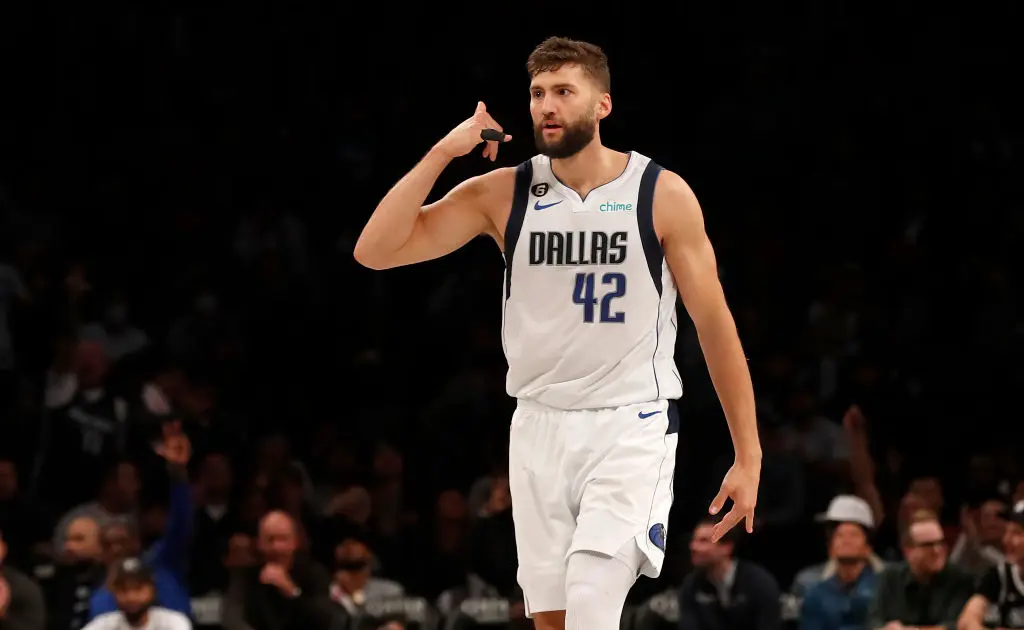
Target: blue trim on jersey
673 418
652 249
524 177
645 222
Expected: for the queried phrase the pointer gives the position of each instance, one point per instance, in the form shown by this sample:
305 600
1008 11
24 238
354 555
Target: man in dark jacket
926 591
723 592
78 572
287 592
21 600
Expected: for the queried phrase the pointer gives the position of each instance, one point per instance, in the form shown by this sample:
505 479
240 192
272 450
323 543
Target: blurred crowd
203 395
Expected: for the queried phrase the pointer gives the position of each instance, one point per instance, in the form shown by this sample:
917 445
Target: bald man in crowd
287 591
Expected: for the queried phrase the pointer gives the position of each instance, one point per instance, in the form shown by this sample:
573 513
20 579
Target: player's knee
583 594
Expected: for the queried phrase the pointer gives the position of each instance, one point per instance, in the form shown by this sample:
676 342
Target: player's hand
740 485
463 138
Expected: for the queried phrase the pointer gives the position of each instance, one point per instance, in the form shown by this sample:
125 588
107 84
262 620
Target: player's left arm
679 222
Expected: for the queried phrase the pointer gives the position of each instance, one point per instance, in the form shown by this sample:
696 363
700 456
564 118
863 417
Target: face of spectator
215 477
118 543
1013 542
82 540
991 524
451 519
849 543
134 599
703 552
353 564
278 538
925 548
240 552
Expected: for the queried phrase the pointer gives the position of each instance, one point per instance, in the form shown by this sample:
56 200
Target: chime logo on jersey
615 206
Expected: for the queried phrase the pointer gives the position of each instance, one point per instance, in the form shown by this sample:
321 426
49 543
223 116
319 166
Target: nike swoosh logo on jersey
644 416
537 205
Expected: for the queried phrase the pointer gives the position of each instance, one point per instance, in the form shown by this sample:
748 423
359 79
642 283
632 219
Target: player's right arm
402 231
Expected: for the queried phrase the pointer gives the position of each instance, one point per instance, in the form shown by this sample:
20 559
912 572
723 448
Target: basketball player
595 243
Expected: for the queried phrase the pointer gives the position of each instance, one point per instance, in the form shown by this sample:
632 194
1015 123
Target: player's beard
576 136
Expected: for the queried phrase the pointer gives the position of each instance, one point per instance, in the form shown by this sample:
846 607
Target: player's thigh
541 510
629 492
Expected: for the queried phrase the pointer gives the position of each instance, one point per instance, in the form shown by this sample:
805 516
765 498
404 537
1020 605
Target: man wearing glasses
926 592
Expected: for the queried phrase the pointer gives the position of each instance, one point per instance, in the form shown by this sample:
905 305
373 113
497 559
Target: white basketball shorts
588 480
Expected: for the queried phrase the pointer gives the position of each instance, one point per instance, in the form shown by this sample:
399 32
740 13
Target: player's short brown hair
555 52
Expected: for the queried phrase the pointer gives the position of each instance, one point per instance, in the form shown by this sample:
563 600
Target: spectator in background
928 489
286 592
135 592
347 514
844 509
980 545
86 427
115 331
288 493
926 591
841 600
23 523
354 585
493 542
998 600
723 592
166 556
21 600
821 443
214 522
391 520
117 501
445 564
78 573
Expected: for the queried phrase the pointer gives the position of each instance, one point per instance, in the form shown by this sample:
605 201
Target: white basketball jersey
590 305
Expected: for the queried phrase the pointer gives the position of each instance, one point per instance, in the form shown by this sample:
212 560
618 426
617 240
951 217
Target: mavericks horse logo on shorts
657 536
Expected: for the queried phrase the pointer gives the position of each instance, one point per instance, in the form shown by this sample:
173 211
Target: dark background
859 174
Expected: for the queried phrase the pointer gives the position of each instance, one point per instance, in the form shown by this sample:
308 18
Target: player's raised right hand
463 138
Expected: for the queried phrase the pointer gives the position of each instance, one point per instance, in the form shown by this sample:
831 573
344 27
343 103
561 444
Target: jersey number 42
583 295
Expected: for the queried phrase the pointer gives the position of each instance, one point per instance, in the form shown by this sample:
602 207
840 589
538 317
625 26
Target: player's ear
604 106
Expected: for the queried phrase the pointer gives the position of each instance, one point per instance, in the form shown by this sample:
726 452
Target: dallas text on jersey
577 248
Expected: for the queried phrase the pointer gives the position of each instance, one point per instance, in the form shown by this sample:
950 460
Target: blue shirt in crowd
832 605
165 558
